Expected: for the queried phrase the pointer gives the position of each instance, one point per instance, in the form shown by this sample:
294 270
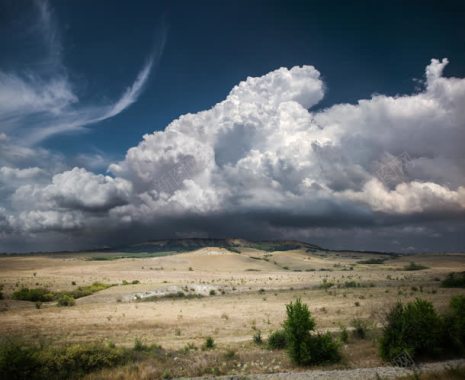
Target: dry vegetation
176 301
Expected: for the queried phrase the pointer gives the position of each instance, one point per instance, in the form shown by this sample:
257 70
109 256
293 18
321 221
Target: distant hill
185 245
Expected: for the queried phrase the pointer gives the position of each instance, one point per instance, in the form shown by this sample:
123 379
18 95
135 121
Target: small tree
303 348
454 324
414 328
297 326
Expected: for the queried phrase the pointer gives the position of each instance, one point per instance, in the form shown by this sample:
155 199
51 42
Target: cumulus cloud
262 164
76 189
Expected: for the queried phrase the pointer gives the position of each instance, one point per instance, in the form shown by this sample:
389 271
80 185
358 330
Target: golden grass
252 299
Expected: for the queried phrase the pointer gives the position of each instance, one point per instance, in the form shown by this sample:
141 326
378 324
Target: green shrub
303 348
257 337
78 359
414 266
209 343
344 335
45 295
66 300
17 361
454 280
34 295
322 349
351 284
360 328
414 328
84 291
22 361
325 284
140 346
454 324
277 340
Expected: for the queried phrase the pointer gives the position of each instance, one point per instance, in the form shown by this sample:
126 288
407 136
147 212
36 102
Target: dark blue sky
360 47
81 81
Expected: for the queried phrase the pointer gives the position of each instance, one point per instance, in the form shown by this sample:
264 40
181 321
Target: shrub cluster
303 347
414 266
34 295
84 291
454 280
277 340
20 361
63 298
417 329
454 324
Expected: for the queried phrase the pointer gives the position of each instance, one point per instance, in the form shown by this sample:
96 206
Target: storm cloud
384 173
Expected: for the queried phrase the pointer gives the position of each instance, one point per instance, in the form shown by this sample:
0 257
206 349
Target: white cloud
20 97
76 189
411 197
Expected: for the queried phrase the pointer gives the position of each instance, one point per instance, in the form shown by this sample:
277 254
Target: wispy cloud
76 119
36 105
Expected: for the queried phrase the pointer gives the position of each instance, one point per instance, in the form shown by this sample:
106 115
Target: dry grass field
226 295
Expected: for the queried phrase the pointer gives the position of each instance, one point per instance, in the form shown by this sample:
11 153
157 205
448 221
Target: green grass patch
46 295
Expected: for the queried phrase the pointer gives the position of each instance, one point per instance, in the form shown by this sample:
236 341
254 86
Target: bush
34 295
360 328
414 266
351 284
209 343
140 346
257 337
454 324
84 291
344 335
66 300
20 361
454 280
17 361
45 295
414 328
322 348
277 340
303 348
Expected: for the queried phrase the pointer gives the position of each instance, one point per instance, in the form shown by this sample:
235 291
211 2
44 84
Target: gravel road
344 374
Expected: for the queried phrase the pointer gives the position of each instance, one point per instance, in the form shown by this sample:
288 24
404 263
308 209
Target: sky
340 123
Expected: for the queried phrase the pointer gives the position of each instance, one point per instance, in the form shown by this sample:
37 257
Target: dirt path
346 374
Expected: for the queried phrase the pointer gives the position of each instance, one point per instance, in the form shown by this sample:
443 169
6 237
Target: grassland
177 300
